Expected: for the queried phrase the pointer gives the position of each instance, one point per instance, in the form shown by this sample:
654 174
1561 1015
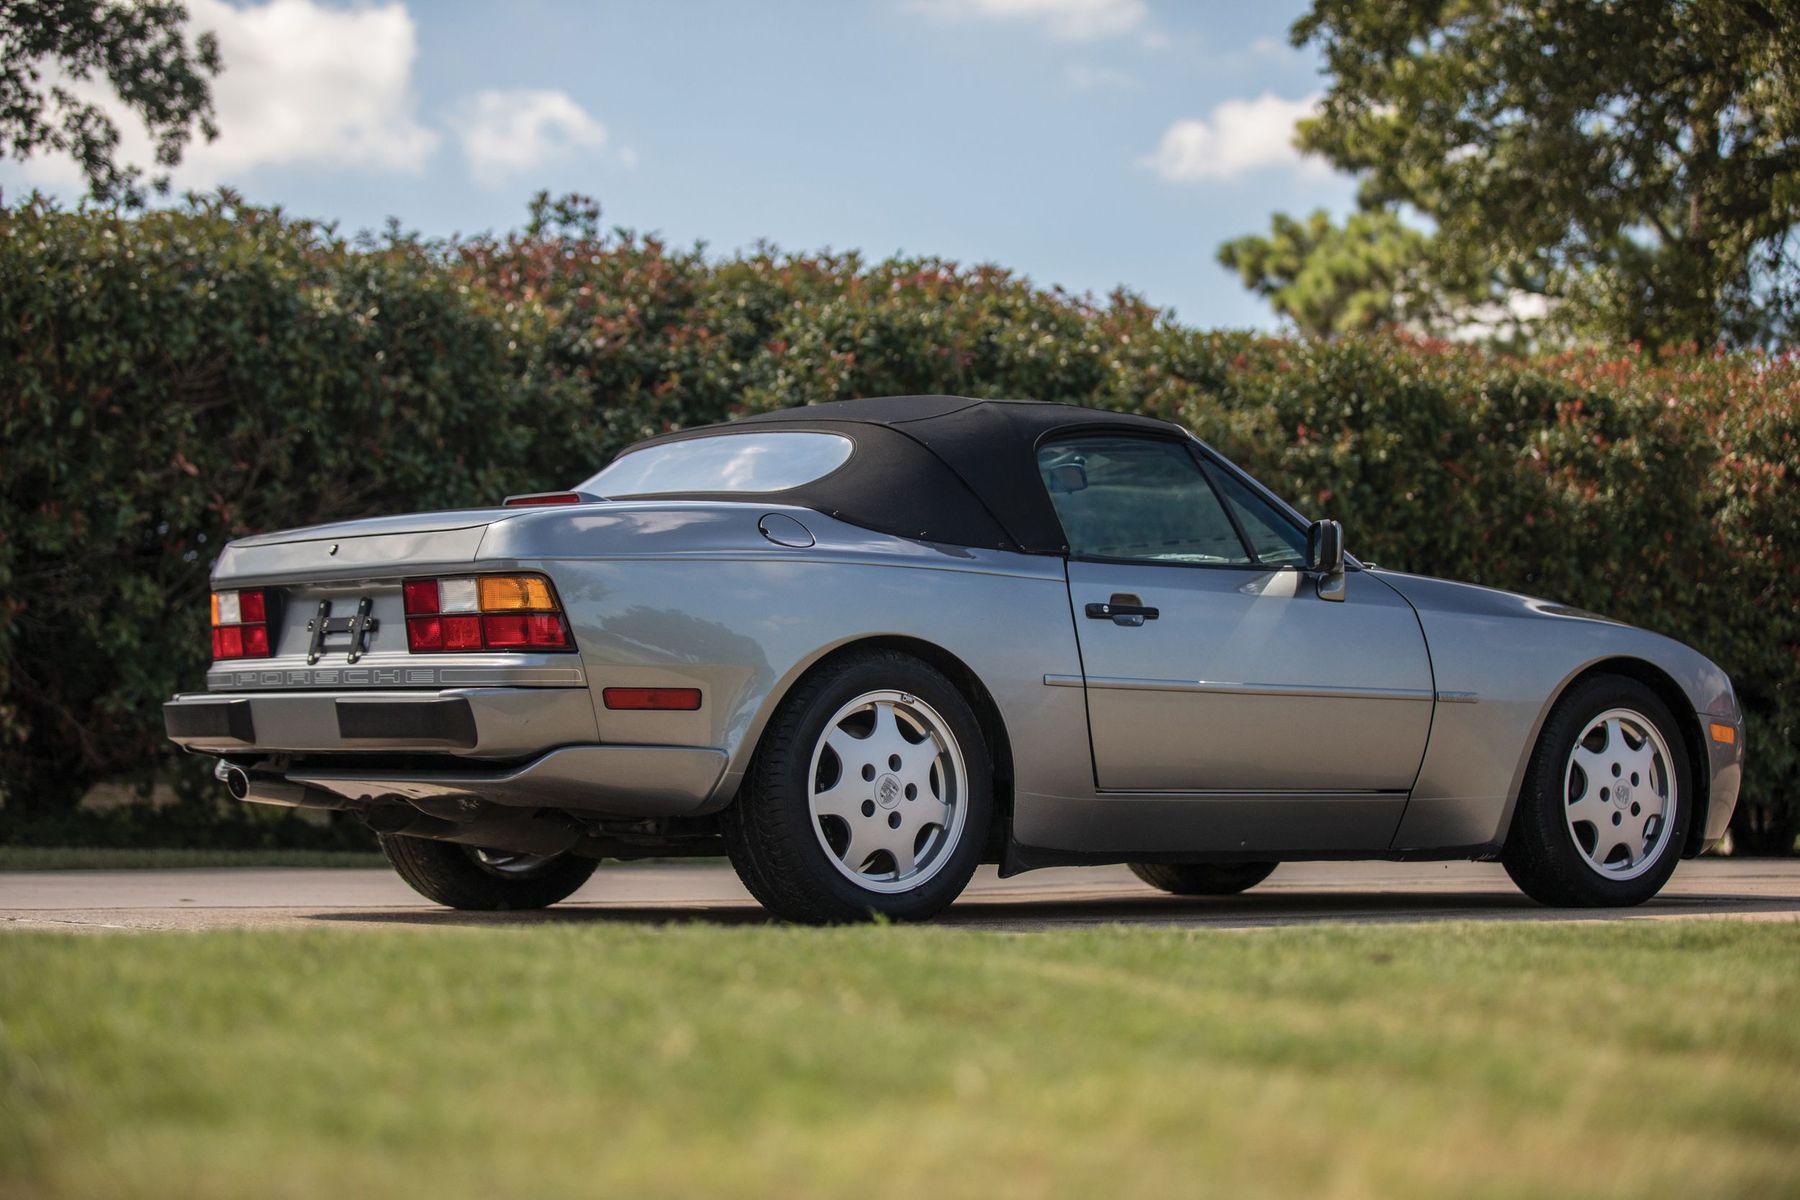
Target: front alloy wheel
1605 806
459 876
1619 792
1203 879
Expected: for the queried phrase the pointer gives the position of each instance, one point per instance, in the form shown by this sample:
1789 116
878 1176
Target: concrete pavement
1298 893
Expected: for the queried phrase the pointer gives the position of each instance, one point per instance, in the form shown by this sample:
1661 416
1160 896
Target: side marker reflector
661 699
1725 735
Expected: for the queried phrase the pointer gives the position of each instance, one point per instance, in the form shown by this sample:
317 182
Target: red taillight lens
546 630
484 612
240 622
424 633
462 633
504 633
660 699
421 595
534 631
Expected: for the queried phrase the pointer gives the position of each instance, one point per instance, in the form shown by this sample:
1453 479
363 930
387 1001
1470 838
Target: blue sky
1086 143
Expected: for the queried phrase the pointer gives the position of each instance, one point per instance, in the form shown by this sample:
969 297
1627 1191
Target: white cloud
302 84
1239 136
1077 20
506 133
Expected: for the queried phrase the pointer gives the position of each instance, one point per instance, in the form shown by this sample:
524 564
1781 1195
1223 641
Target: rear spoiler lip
545 499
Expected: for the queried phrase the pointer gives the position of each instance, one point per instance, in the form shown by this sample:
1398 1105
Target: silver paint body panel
1260 721
1517 654
1209 695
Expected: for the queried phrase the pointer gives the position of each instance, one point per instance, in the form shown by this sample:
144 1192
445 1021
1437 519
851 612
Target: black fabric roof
938 468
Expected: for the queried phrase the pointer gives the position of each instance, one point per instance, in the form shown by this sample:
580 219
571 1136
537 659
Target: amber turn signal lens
1725 735
515 593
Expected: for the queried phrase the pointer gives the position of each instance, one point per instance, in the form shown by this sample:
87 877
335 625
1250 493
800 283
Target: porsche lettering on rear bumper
449 675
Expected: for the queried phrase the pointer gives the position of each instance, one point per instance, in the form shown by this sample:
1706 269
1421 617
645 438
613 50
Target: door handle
1123 610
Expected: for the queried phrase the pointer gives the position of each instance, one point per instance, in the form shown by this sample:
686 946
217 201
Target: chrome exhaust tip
273 789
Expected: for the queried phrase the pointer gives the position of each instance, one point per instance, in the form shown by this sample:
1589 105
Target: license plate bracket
359 627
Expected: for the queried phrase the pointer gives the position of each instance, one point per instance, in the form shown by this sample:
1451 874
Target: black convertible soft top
939 468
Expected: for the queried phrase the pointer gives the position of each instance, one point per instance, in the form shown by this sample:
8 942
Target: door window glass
1137 499
1274 538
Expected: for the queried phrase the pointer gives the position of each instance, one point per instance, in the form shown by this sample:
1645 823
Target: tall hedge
182 377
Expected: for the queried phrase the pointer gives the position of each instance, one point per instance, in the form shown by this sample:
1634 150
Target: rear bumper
478 722
623 781
548 734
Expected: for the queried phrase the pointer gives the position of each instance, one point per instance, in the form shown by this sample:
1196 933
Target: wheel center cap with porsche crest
887 791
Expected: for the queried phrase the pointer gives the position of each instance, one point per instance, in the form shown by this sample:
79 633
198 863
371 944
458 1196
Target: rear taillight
483 612
240 624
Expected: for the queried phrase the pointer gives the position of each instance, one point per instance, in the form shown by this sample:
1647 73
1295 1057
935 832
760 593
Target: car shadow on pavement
564 914
1029 914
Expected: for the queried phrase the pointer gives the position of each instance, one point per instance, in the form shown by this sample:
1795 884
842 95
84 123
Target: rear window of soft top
727 462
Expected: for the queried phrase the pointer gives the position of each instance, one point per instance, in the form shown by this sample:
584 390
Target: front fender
1501 662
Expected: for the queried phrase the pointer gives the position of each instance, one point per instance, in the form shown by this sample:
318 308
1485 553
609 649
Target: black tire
770 832
1542 852
1202 879
450 874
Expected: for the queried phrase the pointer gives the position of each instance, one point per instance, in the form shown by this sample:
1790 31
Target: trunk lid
331 572
352 549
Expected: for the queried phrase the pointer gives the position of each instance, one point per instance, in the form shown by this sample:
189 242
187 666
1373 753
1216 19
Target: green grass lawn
75 858
601 1059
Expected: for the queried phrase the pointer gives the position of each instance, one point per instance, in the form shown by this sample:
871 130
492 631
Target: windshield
727 462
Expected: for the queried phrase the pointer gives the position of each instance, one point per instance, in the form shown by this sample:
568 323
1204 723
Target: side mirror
1067 477
1325 557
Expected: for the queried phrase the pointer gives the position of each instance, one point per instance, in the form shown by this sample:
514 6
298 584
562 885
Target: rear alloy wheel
1605 806
869 795
1202 879
470 877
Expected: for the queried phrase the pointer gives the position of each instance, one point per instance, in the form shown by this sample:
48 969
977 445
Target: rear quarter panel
693 595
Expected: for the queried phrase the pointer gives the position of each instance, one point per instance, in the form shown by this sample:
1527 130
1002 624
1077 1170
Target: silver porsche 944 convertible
862 647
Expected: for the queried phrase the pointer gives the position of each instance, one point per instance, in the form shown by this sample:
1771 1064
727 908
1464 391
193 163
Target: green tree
1636 162
1369 272
139 48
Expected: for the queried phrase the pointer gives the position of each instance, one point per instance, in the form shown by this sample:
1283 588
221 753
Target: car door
1211 662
